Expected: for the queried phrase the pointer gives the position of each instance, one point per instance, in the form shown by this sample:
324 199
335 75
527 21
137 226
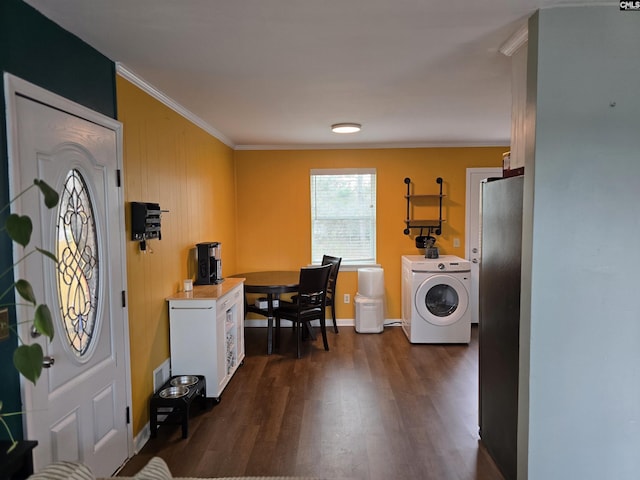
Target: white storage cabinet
207 333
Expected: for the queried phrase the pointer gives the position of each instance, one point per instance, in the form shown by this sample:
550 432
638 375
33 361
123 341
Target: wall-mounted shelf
432 225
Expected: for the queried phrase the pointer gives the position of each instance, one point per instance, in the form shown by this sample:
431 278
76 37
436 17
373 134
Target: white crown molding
515 41
374 146
145 86
521 36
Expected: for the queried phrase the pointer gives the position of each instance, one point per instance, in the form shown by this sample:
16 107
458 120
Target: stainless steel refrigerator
499 320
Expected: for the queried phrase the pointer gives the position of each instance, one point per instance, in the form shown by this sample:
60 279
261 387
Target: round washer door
441 300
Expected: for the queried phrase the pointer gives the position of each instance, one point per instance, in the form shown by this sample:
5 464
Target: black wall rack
432 226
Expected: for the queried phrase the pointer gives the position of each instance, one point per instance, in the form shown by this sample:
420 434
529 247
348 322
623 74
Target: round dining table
271 284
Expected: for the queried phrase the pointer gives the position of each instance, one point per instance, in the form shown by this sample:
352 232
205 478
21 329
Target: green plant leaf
26 291
43 321
28 360
19 228
47 253
50 195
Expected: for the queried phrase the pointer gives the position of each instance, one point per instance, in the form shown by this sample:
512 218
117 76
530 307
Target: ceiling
278 73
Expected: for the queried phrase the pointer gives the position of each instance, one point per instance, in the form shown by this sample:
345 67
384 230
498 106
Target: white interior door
473 226
78 410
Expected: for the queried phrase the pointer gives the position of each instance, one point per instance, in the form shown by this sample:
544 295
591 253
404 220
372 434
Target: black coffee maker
209 263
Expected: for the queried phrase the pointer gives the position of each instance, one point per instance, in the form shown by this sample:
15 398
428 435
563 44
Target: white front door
475 176
78 410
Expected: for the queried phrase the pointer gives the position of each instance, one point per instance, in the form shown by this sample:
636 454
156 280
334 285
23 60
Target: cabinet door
193 339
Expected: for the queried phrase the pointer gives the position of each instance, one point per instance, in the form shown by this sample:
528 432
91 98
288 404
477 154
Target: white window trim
343 171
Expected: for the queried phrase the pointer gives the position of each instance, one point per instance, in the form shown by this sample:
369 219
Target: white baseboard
342 322
142 438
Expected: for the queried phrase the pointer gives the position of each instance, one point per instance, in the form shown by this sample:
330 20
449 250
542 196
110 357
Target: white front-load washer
435 299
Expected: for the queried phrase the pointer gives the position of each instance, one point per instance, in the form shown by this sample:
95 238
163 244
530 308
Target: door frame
13 87
467 216
470 211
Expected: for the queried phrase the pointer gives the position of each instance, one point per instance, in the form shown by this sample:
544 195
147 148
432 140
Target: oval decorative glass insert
78 266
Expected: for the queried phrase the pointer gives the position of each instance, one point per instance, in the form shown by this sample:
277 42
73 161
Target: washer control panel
445 263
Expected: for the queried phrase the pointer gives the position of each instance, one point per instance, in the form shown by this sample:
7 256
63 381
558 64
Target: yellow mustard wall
170 161
273 227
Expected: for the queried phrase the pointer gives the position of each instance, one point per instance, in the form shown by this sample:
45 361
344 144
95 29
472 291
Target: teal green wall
39 51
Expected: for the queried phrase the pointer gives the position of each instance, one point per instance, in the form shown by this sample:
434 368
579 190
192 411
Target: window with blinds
343 215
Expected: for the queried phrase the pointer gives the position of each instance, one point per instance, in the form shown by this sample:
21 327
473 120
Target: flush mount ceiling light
346 127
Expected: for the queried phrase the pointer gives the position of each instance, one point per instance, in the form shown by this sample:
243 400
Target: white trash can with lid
370 300
369 314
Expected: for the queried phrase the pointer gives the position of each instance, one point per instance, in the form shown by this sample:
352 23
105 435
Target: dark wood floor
373 407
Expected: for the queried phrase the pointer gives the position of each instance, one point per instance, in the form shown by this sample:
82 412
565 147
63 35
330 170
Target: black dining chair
310 304
331 286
